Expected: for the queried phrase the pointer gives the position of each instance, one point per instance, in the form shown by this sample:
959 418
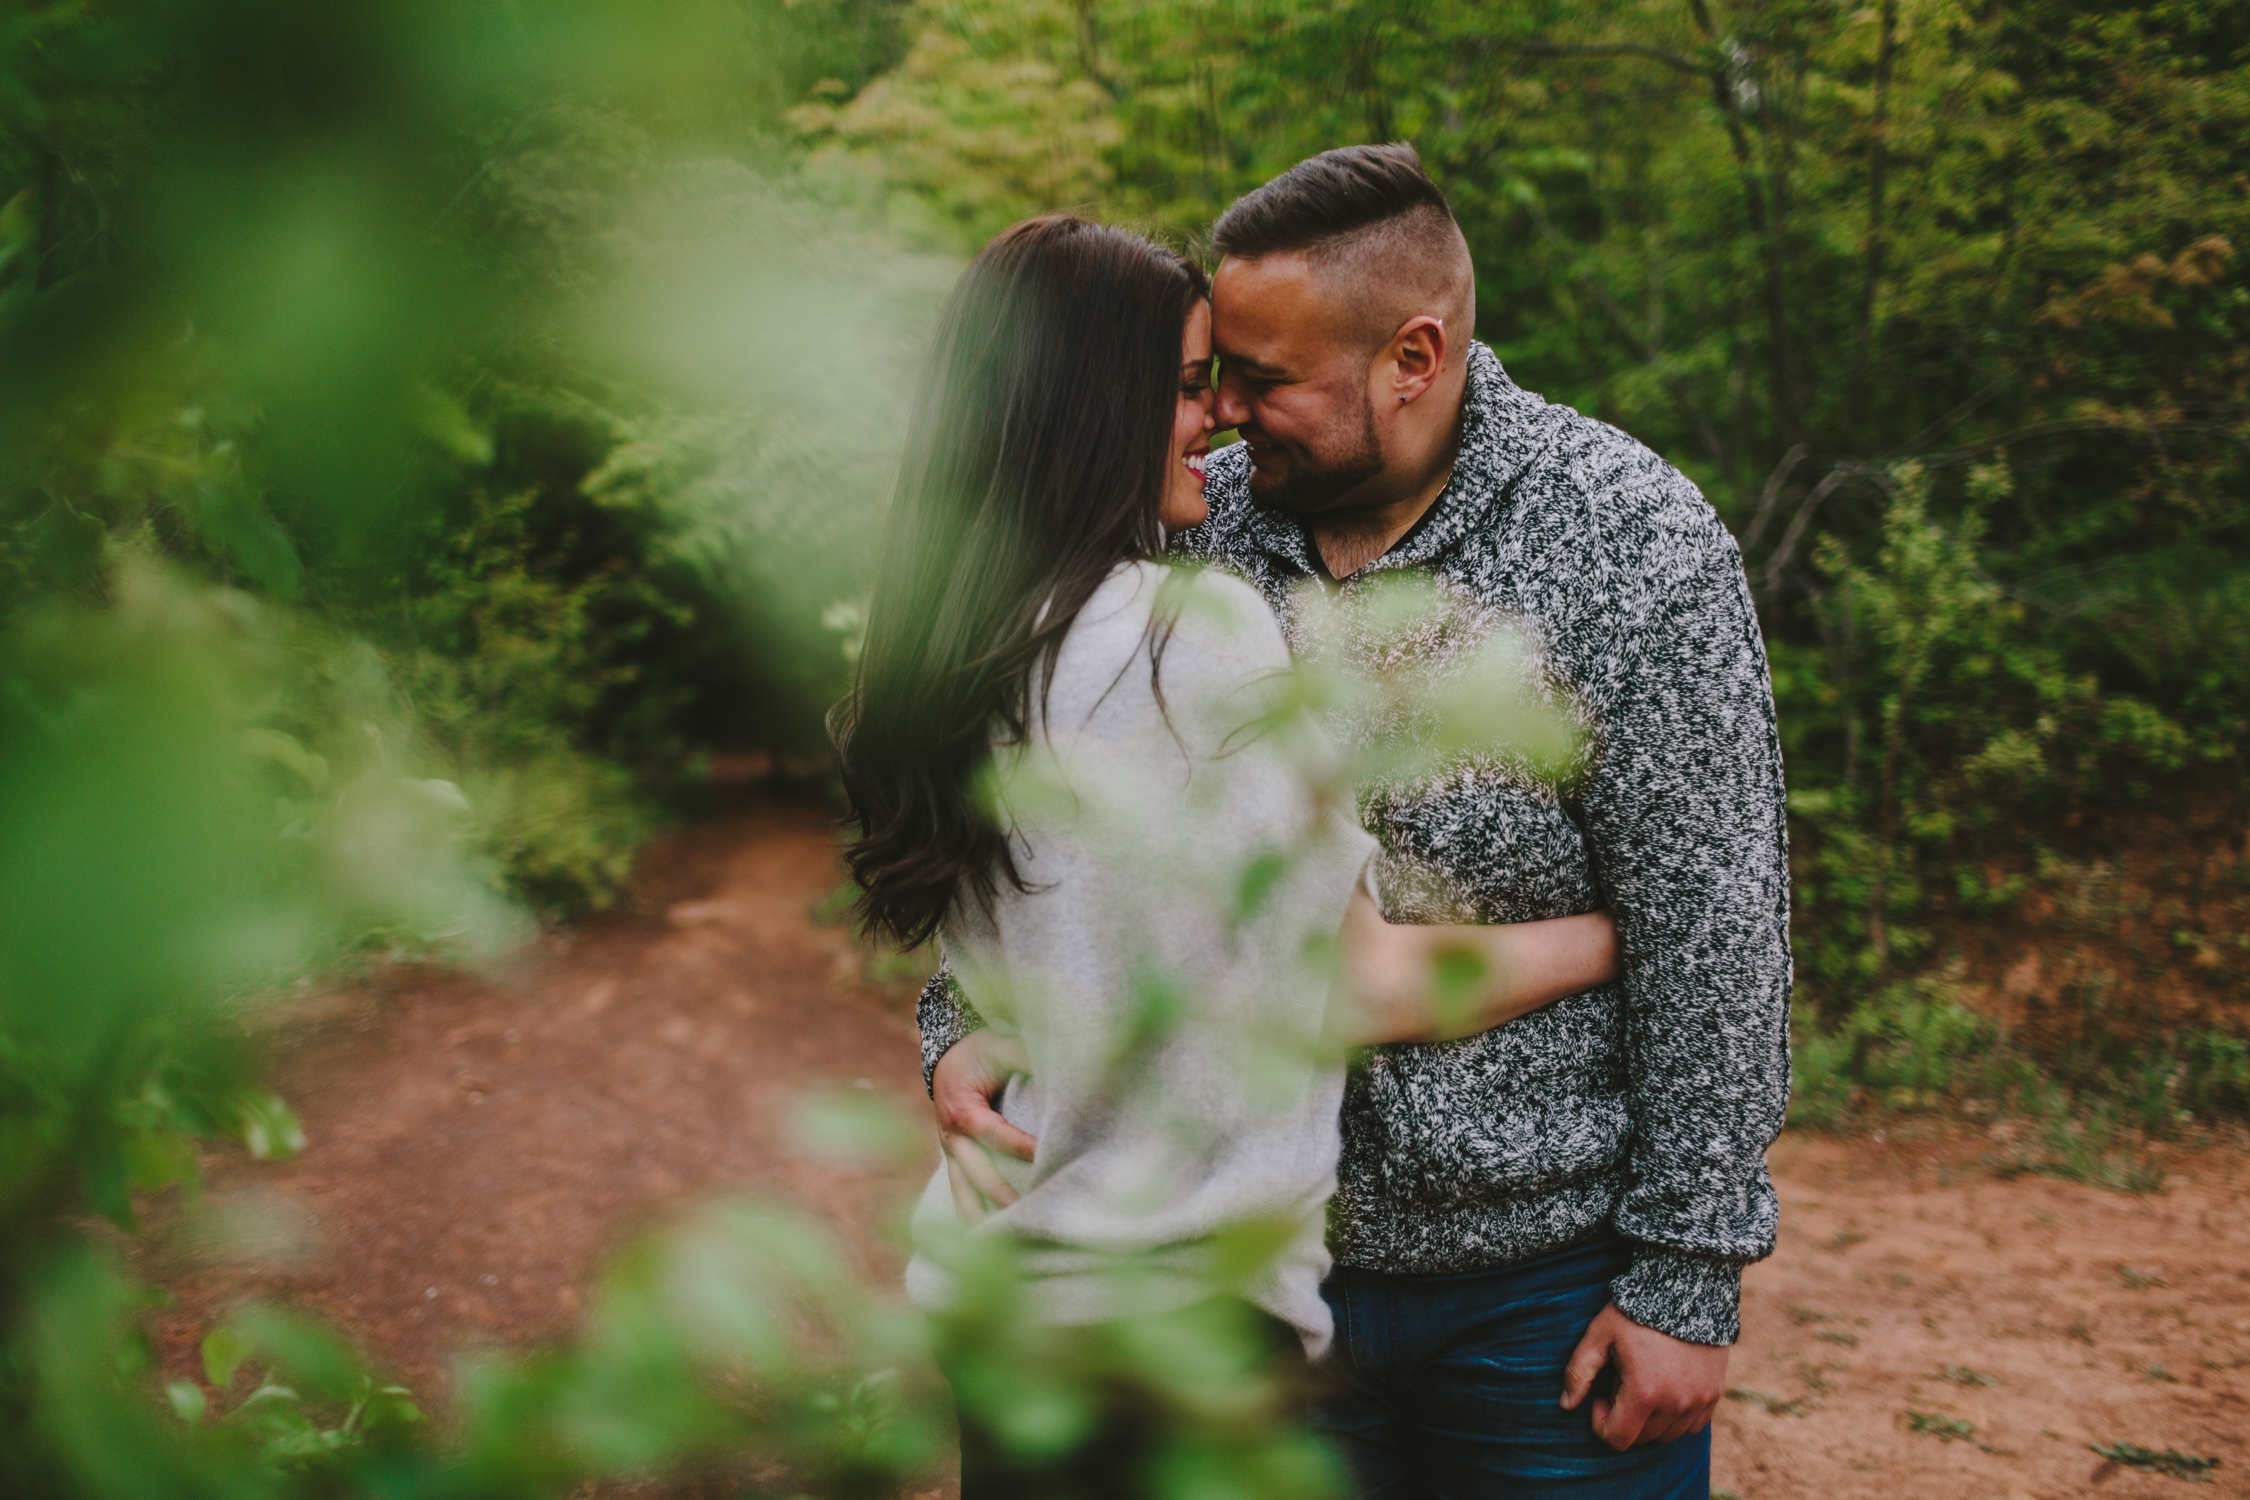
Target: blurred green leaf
284 750
855 1128
390 1408
1259 878
1457 975
187 1400
224 1350
296 1347
68 543
159 1159
242 529
16 229
1247 1246
269 1127
447 423
108 1182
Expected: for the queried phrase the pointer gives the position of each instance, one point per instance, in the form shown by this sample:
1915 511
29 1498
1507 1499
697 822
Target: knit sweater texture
1646 1105
1179 1087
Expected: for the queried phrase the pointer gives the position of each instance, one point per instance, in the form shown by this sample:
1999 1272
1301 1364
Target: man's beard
1309 492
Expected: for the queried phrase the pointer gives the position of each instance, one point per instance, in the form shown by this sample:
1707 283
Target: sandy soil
2048 1316
476 1147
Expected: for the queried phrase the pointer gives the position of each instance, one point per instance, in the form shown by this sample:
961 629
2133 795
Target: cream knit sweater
1171 1008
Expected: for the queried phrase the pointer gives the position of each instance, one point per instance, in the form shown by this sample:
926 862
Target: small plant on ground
1772 1404
2170 1461
1963 1375
327 1407
1945 1429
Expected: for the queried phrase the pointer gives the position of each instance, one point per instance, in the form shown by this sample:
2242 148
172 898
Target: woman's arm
1408 983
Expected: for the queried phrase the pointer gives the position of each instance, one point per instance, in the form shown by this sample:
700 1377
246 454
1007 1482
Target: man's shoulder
1596 495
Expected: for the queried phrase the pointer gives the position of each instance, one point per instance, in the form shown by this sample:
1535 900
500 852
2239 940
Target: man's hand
1666 1387
962 1087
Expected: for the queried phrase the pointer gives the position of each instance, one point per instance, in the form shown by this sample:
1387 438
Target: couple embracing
1505 1243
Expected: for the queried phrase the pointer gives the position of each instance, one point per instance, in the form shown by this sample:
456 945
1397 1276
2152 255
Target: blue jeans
1446 1387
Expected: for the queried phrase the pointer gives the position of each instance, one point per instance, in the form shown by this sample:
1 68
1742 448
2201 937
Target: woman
1081 768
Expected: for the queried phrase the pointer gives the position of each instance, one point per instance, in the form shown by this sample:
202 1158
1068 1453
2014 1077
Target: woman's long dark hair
1036 462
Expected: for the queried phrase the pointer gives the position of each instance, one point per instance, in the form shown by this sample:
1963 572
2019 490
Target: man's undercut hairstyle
1375 229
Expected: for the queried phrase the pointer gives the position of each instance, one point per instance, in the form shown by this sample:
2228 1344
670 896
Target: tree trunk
1878 246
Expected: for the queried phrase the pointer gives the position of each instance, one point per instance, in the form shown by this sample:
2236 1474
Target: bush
517 672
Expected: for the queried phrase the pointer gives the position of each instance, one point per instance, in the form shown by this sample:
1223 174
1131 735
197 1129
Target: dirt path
477 1147
2045 1315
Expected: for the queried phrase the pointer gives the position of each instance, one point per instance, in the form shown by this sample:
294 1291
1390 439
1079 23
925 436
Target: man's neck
1350 537
1348 540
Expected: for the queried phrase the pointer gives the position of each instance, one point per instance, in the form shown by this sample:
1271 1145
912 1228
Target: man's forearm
1684 815
944 1016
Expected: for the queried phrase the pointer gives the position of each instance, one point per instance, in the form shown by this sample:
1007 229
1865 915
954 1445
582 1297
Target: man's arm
1684 816
944 1016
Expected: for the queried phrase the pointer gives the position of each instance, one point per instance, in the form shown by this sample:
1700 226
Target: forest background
429 433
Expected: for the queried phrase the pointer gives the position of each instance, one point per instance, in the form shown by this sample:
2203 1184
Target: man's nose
1233 409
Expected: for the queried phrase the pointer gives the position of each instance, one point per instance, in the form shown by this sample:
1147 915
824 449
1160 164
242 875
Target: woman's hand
1409 983
962 1088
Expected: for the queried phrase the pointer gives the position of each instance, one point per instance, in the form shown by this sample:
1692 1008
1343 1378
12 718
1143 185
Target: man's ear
1413 358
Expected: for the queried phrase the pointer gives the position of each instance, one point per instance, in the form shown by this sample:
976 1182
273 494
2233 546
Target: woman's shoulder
1205 610
1210 634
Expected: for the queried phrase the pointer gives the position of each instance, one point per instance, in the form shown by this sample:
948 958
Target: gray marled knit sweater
1647 1104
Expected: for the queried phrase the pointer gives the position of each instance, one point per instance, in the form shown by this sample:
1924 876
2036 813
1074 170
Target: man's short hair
1374 227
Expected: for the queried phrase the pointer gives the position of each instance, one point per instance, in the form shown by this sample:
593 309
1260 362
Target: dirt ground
477 1146
2046 1315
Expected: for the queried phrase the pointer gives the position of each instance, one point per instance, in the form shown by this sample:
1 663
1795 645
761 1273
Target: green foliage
1960 725
513 665
1944 308
283 1422
1195 1374
1945 1429
421 427
2167 1461
984 120
162 853
2069 1139
2215 1073
350 348
164 862
772 334
1820 1080
408 459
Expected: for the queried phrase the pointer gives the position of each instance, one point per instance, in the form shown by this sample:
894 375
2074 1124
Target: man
1539 1232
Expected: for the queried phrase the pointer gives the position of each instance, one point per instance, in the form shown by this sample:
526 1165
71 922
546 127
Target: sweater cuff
943 1016
1697 1298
